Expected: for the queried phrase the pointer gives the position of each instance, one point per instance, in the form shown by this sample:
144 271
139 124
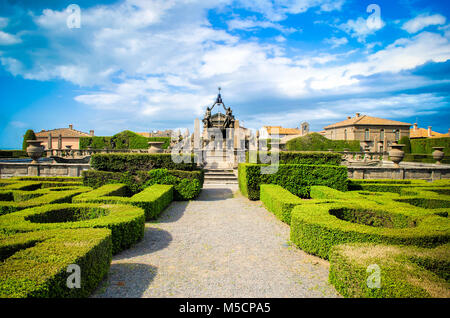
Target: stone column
197 142
60 142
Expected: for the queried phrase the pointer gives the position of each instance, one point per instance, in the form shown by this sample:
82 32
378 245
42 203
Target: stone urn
438 154
155 146
396 154
35 150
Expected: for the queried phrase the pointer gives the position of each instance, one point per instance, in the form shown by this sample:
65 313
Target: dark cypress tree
29 135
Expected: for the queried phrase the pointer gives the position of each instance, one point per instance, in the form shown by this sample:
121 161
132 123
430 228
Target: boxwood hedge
133 162
316 228
301 157
16 200
405 272
279 201
35 264
295 178
126 222
152 200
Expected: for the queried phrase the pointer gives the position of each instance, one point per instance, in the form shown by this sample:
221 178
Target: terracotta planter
35 150
396 154
438 154
155 146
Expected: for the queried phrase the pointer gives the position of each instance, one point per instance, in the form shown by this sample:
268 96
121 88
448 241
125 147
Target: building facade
60 138
375 134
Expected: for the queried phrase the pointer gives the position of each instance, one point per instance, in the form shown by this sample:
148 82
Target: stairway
220 176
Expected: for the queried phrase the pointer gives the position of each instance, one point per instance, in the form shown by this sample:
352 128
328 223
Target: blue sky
156 64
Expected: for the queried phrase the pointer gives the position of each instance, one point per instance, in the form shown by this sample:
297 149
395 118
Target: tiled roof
366 120
423 133
282 131
64 132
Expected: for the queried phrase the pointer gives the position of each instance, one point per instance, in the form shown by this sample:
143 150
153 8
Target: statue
207 119
228 119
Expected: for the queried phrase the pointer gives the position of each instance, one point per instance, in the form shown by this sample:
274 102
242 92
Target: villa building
61 137
375 134
416 133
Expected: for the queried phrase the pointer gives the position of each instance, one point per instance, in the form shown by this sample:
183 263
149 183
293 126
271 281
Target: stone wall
13 169
422 173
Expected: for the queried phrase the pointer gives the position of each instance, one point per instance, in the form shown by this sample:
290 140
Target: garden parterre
408 216
43 229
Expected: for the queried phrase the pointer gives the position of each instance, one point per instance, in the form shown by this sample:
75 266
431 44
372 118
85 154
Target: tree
405 141
29 135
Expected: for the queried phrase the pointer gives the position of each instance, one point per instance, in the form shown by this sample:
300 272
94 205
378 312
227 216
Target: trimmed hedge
152 200
16 200
126 222
315 142
425 146
279 201
35 264
134 162
187 184
300 157
13 154
295 178
316 228
123 140
405 272
35 185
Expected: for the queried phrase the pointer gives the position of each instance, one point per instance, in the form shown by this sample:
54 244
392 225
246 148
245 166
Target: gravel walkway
221 245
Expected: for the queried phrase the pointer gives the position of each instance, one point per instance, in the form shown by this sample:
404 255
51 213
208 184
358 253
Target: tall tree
29 135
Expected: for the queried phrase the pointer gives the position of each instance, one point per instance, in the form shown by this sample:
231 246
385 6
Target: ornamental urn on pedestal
438 154
35 150
396 154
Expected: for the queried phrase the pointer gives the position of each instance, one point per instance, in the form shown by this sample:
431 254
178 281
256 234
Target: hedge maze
402 226
47 224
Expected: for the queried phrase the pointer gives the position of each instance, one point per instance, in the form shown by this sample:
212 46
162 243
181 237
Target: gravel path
221 245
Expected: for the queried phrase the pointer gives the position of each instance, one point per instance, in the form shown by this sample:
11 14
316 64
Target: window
397 135
382 134
345 134
367 134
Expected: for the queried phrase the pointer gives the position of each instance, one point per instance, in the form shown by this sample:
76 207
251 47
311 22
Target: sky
146 65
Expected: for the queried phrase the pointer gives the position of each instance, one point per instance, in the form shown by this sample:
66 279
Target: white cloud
250 24
336 42
422 21
3 22
8 39
361 28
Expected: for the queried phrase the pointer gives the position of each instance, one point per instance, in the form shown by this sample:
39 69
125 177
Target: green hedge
405 272
16 200
295 178
13 154
35 264
301 157
123 140
316 228
425 146
34 185
183 190
279 201
140 162
126 222
152 200
424 158
317 142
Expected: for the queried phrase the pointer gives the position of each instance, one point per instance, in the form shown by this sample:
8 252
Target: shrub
16 200
184 189
126 222
316 228
13 154
317 142
140 162
405 271
152 200
123 140
405 141
425 145
295 178
35 264
279 201
303 158
29 135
